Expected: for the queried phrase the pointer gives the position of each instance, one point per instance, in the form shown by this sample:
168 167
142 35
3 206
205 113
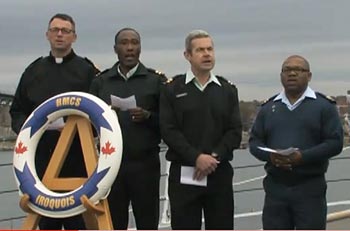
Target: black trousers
137 182
75 222
298 206
187 202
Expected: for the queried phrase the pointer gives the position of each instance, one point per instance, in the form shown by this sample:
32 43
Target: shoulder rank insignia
226 80
330 98
169 80
230 83
96 68
268 100
327 97
155 71
159 74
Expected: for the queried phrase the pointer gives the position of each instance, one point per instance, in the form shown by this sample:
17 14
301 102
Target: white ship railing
14 222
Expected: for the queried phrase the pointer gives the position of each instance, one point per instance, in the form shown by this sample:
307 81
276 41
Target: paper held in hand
284 152
123 104
56 125
187 173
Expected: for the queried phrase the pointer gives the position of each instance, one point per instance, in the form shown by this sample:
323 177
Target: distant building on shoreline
248 109
7 136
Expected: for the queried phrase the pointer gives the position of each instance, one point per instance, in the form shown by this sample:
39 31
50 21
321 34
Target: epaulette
32 63
162 76
169 81
268 100
156 72
102 72
226 80
327 97
96 69
172 79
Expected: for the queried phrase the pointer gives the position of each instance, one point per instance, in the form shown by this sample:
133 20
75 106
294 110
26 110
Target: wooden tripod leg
31 222
52 180
32 219
104 220
100 211
90 220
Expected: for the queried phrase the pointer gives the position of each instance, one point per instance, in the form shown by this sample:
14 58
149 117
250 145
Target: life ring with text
59 205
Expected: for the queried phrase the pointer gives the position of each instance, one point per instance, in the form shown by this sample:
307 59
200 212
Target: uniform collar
191 77
130 73
65 59
308 93
113 71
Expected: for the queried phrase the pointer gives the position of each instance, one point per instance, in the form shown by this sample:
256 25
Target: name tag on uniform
181 95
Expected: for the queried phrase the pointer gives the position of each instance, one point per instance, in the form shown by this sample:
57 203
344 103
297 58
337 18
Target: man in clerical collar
61 71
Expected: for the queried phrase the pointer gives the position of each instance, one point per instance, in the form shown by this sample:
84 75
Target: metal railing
165 213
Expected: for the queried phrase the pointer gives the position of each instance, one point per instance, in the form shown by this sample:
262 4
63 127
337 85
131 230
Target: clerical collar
63 59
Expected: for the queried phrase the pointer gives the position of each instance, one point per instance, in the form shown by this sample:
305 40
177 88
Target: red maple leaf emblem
107 149
20 149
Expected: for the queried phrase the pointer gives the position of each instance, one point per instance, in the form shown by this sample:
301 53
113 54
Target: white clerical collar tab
58 60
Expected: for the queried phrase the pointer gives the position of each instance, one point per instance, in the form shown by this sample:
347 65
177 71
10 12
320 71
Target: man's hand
286 162
205 165
280 161
296 158
138 114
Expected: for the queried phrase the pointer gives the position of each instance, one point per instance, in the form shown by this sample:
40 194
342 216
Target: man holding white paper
295 133
123 104
133 90
200 121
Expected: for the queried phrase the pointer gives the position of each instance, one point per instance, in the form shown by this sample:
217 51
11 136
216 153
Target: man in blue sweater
298 117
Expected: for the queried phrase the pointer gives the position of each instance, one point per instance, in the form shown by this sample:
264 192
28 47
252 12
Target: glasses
63 30
297 70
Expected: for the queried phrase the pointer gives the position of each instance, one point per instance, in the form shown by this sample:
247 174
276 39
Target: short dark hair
124 29
307 64
64 17
195 34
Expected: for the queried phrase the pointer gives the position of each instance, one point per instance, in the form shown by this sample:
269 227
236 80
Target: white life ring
59 205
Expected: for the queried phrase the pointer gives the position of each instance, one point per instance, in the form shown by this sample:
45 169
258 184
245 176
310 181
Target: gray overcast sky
252 37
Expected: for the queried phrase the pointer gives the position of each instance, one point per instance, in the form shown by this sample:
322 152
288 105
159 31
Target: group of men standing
197 115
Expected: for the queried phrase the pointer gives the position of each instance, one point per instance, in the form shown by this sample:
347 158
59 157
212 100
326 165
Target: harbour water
247 183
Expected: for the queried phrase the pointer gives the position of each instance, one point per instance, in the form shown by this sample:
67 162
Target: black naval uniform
138 178
194 122
41 80
296 198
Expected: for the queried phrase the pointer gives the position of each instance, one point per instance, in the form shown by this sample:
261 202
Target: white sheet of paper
284 152
187 177
123 104
56 125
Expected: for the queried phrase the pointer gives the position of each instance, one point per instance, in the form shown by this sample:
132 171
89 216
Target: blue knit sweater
314 127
